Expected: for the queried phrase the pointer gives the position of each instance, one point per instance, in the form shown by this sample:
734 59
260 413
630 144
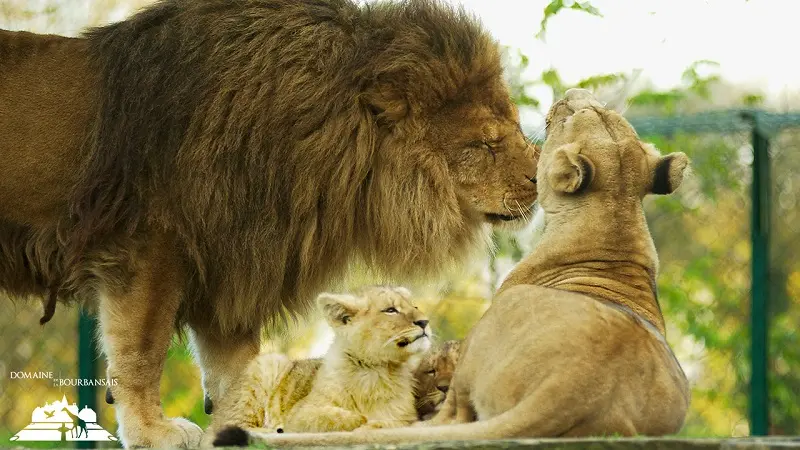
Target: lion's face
433 377
378 324
490 161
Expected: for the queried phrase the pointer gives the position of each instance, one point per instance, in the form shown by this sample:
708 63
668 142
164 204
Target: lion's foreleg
136 323
223 357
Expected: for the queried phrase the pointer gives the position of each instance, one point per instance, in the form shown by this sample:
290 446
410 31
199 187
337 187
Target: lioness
366 379
217 163
573 343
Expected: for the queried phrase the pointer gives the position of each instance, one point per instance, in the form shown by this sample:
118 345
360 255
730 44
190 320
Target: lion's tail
516 422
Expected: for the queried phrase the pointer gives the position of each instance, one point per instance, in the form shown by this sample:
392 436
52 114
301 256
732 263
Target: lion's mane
268 180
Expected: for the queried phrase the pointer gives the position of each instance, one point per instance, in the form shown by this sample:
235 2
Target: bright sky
660 37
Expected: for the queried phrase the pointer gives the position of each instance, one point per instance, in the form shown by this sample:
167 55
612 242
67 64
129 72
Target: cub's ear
668 173
337 308
569 171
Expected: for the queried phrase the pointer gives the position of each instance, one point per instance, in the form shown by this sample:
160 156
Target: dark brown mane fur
253 132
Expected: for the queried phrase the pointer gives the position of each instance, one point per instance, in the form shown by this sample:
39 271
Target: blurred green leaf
555 6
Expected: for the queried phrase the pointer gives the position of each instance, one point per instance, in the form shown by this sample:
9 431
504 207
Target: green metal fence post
87 366
760 228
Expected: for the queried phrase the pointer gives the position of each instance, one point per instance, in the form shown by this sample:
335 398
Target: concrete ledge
595 444
788 442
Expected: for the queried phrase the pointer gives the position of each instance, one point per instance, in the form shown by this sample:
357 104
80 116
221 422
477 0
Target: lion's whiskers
407 333
505 205
522 211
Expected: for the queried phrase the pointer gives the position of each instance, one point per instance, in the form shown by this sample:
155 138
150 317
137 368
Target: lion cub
433 377
364 381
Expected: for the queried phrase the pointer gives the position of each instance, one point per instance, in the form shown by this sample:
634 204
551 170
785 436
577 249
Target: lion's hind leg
136 324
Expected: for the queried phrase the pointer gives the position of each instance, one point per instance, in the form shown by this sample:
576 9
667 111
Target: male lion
573 344
217 163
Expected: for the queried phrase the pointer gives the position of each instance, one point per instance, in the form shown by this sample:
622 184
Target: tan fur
272 384
364 381
573 342
433 376
218 163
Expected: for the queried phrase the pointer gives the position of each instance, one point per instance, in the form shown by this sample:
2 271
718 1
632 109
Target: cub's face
433 376
379 324
489 159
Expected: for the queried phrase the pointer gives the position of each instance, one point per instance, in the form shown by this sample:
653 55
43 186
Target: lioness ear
337 308
569 171
668 173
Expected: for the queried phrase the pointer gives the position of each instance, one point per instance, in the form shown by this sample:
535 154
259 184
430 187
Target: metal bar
87 366
759 303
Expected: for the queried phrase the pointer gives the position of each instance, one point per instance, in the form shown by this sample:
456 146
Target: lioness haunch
573 344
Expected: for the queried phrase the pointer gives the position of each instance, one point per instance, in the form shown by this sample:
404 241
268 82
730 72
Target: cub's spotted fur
365 380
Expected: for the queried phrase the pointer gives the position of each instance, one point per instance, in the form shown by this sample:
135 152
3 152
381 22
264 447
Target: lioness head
379 324
433 377
594 151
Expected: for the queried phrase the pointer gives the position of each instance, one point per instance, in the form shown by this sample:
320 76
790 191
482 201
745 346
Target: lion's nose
578 94
578 99
443 389
421 323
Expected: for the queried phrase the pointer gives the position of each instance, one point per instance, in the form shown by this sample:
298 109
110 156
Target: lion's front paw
175 432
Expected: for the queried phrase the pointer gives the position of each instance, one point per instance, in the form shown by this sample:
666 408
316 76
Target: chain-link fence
731 277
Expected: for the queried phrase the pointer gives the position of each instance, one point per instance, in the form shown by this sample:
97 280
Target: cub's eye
390 310
431 372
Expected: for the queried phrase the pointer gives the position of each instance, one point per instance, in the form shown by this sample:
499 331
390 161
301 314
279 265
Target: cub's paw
352 421
175 432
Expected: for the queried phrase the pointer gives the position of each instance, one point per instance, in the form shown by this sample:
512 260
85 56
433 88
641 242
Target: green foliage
555 6
598 81
752 100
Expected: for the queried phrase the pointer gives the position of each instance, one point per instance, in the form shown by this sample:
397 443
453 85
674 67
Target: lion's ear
569 171
388 104
668 173
337 308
